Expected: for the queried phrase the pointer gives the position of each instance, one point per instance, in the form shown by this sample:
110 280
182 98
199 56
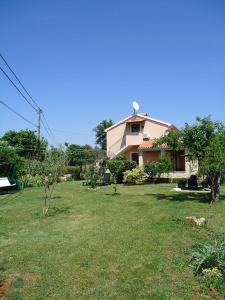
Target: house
134 138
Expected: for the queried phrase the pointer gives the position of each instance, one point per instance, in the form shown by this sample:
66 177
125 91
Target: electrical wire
35 103
16 87
15 112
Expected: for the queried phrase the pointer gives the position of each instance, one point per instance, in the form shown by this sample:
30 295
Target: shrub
135 176
182 183
74 171
209 256
30 181
157 168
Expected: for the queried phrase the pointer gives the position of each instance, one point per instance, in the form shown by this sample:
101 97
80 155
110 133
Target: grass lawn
98 246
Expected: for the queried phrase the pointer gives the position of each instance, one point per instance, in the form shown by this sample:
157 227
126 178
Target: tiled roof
149 144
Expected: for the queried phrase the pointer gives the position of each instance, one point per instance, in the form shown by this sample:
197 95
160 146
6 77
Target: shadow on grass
112 194
53 211
183 197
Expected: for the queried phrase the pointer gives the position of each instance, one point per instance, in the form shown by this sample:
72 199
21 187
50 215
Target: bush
135 176
119 165
209 256
157 168
209 262
30 181
74 171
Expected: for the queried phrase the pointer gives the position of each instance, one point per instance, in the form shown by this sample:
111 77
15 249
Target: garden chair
192 182
5 184
106 179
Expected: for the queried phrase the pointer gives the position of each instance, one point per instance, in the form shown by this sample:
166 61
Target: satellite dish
136 106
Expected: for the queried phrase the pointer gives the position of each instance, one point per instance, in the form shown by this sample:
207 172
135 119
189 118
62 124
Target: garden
68 233
97 245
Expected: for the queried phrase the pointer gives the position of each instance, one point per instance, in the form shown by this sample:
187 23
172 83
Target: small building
134 138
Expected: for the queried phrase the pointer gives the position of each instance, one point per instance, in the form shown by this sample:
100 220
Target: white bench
4 182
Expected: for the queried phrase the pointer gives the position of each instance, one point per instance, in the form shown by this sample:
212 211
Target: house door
134 157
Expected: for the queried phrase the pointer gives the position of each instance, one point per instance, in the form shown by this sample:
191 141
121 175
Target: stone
195 221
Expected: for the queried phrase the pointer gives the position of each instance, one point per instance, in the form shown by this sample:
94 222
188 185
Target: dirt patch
5 286
196 296
32 277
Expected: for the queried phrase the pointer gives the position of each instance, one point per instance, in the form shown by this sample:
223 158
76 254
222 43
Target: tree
54 165
48 172
26 143
80 155
100 134
205 141
118 166
9 158
173 140
157 168
115 167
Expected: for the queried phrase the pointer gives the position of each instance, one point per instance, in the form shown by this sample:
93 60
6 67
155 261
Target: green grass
99 246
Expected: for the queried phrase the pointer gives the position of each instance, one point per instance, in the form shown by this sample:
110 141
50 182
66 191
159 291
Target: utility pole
39 123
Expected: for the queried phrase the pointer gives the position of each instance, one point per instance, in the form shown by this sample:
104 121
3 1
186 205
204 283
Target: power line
35 103
15 112
38 110
72 132
48 127
49 134
16 87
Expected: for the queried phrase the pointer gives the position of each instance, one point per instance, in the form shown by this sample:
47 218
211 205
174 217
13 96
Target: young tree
54 166
115 167
100 134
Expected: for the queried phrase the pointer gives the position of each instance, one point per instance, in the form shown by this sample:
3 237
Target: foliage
26 143
100 134
205 141
212 164
80 155
154 168
45 173
30 181
135 176
173 140
117 167
208 256
8 158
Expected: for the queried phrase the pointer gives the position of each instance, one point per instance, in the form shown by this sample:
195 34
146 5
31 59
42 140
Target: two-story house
134 137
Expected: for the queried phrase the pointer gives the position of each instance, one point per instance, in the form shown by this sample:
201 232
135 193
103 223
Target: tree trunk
115 185
215 188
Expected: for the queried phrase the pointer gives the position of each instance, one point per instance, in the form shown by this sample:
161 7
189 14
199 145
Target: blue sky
84 61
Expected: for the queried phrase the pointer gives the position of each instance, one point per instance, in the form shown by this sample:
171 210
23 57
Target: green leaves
100 134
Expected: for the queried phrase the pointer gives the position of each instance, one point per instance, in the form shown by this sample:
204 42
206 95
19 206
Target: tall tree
25 142
80 155
100 134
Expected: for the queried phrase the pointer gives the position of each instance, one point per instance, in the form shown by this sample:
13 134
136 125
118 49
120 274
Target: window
135 127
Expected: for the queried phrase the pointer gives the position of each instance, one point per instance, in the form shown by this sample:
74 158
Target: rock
195 221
